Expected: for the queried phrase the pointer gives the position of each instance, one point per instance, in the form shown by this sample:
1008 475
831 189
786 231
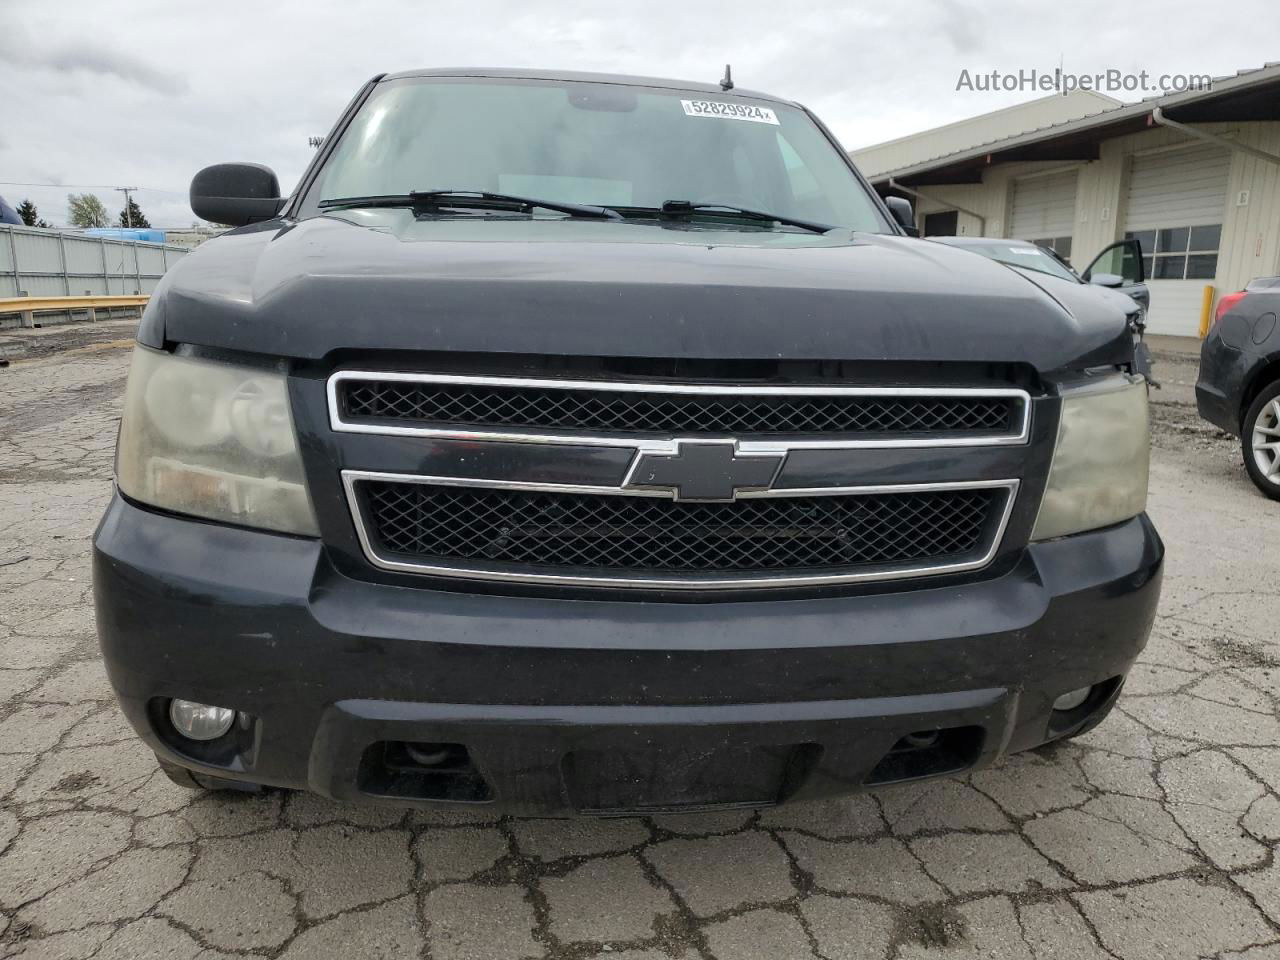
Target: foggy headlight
1099 472
212 440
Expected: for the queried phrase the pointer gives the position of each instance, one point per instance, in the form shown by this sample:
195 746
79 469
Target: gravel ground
1152 837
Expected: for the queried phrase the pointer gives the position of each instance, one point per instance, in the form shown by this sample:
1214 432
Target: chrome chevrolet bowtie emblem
705 470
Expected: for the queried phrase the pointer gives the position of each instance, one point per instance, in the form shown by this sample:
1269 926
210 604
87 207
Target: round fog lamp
1069 701
200 721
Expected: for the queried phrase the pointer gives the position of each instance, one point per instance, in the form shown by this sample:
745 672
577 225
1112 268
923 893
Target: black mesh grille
429 523
551 408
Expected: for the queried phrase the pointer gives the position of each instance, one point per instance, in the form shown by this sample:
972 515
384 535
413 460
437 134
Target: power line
89 186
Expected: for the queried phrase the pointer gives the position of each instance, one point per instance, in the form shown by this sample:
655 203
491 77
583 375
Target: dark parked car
1239 385
8 214
583 443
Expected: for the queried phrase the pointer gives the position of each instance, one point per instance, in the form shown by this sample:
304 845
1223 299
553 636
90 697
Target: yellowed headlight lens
1101 461
212 440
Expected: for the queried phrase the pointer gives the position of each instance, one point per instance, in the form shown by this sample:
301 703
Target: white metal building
1194 176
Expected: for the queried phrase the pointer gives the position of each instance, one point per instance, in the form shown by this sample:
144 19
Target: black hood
386 280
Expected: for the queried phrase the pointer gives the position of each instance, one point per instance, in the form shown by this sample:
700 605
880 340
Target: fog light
1069 701
200 721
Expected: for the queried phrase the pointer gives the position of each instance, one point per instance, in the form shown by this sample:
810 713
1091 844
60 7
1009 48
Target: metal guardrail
27 307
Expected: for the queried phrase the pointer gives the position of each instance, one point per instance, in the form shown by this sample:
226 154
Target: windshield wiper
685 208
472 199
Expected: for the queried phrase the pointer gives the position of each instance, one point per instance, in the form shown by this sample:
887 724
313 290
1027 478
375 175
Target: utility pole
128 210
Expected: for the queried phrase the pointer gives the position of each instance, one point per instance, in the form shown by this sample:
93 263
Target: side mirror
1106 280
236 193
900 207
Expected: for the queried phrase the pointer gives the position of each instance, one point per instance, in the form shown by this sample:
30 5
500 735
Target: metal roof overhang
1250 96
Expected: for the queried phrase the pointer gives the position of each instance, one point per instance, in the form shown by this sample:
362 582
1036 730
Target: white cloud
84 57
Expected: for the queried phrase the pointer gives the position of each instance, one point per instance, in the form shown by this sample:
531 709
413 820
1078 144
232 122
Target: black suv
597 444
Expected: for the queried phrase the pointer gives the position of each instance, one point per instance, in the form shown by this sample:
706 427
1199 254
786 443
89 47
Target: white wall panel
1178 188
1044 206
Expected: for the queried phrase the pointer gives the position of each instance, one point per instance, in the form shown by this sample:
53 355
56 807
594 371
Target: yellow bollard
1206 310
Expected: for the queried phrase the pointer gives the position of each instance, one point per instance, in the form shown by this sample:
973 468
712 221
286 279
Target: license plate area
684 778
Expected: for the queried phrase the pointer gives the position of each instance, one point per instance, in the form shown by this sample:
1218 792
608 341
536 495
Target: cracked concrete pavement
1152 837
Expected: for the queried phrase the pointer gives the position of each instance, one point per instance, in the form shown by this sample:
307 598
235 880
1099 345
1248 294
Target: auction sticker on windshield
729 111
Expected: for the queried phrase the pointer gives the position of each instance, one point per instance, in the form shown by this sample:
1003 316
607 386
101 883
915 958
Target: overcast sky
146 92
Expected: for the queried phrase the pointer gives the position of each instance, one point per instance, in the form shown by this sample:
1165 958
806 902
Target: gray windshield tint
1027 256
592 143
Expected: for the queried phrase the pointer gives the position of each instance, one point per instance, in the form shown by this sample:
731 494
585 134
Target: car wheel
201 781
1260 440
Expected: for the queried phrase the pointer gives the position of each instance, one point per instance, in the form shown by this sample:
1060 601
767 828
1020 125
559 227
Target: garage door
1044 210
1176 203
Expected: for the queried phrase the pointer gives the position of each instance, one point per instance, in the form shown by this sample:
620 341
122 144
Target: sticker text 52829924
729 111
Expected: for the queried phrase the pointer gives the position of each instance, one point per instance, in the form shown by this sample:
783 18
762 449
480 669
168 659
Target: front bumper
567 705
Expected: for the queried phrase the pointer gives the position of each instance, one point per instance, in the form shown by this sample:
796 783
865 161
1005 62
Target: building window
1059 245
1180 253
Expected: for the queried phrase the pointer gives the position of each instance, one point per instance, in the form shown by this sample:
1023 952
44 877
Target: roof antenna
727 82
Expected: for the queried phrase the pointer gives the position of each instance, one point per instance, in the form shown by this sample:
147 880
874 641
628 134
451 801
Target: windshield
593 143
1027 256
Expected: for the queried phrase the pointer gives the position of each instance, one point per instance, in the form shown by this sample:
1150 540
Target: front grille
534 531
424 402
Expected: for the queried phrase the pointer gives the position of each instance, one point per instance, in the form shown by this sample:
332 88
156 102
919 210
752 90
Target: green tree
132 215
86 210
30 216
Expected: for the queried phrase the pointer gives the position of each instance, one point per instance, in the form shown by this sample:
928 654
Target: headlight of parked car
1100 464
212 440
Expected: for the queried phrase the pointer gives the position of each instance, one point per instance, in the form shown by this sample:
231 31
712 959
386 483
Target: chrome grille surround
352 478
639 444
341 422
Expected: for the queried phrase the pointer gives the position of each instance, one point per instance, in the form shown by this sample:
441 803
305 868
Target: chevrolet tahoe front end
611 501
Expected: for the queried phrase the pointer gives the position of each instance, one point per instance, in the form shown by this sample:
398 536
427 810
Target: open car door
1120 266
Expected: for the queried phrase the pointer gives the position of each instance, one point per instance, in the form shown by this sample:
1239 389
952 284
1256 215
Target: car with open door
1119 266
1239 385
1116 275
